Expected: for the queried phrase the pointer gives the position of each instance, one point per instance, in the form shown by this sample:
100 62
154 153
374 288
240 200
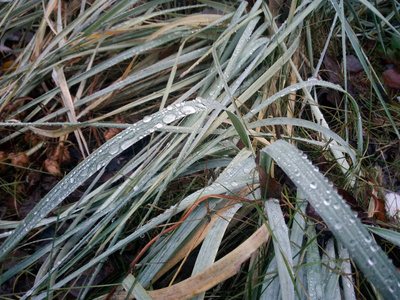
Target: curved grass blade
367 255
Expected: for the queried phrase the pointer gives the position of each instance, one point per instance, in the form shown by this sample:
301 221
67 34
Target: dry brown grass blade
66 97
292 95
201 233
53 133
196 240
223 269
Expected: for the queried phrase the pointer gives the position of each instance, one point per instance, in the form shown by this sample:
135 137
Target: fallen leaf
52 166
333 70
60 154
109 134
392 78
353 64
20 159
3 158
32 139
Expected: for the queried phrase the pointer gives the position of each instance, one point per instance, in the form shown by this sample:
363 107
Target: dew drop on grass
84 172
158 126
313 185
374 248
125 145
114 148
147 119
371 261
327 201
368 239
169 118
338 226
188 110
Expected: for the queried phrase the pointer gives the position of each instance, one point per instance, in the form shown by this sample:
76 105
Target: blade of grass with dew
95 162
366 65
347 281
314 271
282 248
331 278
212 242
347 229
240 173
391 236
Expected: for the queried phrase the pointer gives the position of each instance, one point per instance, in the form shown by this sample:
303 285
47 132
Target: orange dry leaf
7 67
392 78
52 166
19 159
60 154
110 133
32 139
3 157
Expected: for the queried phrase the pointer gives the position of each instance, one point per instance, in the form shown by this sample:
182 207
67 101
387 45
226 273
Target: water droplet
371 261
135 188
313 185
234 183
169 107
327 201
147 119
188 110
125 145
338 226
368 239
374 247
151 130
71 180
313 79
336 206
158 125
169 118
84 172
297 173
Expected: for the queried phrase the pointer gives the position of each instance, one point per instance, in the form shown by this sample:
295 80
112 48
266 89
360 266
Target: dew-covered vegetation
199 149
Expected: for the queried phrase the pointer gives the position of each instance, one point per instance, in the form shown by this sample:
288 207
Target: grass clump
151 149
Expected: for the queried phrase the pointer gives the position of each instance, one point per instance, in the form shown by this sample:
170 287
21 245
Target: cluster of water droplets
102 156
336 213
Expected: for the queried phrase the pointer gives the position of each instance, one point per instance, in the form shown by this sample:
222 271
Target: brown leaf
32 139
52 166
3 158
60 154
270 188
218 272
333 70
109 134
20 159
392 78
353 64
